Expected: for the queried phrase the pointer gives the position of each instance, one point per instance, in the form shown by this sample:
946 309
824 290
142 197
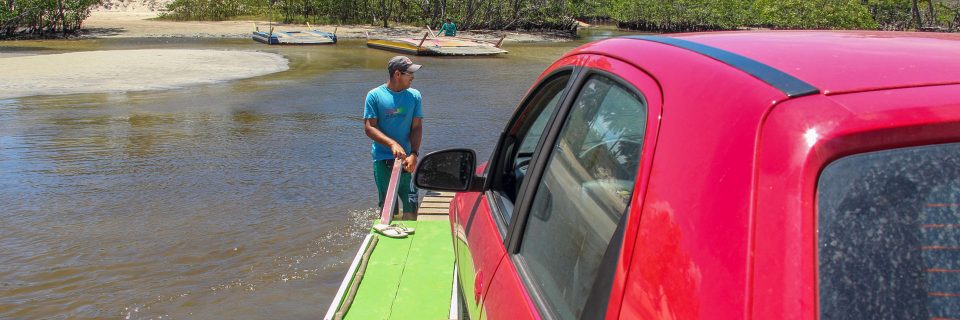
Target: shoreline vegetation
539 19
144 24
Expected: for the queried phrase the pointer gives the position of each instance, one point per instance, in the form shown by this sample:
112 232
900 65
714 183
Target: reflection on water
238 200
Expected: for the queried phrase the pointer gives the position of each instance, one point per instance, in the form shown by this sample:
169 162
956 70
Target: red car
743 175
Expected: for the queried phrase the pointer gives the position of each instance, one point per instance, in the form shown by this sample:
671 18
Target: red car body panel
668 267
838 62
477 231
722 222
510 300
800 138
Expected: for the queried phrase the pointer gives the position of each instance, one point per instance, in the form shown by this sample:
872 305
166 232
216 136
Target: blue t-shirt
394 112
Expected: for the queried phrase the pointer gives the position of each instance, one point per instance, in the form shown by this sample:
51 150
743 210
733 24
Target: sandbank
129 70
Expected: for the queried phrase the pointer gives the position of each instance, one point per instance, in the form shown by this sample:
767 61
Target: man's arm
372 130
416 133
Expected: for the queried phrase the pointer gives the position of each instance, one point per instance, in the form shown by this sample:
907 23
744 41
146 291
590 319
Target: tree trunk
437 9
385 12
62 15
916 15
516 9
931 18
471 10
956 20
488 15
400 17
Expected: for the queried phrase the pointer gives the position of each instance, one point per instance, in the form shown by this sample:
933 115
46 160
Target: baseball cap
403 64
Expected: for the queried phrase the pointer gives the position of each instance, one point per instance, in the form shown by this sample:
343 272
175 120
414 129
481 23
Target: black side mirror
447 170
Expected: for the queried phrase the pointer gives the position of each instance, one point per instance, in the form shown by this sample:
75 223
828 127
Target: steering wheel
520 166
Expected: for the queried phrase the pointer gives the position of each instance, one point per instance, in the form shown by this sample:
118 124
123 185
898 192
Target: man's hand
410 163
398 152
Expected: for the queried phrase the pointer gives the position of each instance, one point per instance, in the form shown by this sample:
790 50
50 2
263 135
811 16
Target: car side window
524 137
585 189
888 235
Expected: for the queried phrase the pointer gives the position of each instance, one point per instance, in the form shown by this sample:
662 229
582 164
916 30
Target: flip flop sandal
389 231
404 228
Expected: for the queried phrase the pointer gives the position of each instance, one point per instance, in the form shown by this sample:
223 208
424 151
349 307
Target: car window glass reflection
888 235
585 189
530 129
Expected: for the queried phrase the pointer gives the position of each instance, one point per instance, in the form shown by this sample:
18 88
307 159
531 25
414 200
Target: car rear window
889 235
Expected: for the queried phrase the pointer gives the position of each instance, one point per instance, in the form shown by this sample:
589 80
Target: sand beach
130 70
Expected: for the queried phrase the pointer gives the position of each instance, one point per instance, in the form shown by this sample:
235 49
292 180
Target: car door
481 219
571 210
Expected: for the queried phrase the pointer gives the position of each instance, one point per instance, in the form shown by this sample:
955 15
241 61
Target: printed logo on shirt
395 112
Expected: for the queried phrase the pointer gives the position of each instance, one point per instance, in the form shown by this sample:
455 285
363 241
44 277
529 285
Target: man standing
392 117
448 28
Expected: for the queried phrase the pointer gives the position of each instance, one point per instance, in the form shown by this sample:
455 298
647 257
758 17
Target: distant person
448 29
392 117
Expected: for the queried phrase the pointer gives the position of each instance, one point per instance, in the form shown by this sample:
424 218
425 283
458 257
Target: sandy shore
135 24
129 70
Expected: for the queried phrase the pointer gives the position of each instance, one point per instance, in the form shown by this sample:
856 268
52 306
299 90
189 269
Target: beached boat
295 37
437 46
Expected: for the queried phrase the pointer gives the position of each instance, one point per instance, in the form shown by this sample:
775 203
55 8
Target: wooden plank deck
435 203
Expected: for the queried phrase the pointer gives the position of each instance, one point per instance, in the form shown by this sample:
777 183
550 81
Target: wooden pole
357 277
422 40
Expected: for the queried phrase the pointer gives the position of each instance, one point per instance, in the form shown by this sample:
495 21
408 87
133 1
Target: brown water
240 200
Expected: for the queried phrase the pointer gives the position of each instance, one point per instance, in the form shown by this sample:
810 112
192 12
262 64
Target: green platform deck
410 278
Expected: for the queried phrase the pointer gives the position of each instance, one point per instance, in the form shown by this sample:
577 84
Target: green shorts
405 190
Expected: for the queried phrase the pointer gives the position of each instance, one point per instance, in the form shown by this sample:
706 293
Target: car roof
842 61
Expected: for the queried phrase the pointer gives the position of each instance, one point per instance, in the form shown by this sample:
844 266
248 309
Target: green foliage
695 15
468 14
890 14
215 10
812 14
948 15
679 15
64 16
653 15
43 17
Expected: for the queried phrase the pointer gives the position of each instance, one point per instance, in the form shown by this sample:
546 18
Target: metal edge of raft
455 295
351 278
